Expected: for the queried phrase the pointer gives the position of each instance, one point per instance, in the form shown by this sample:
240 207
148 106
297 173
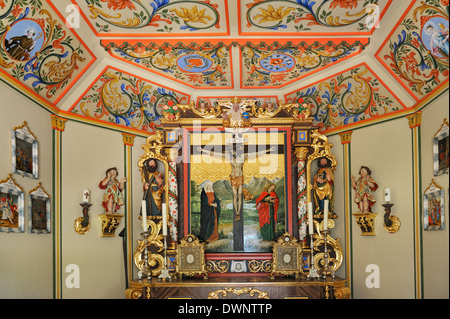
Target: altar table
239 287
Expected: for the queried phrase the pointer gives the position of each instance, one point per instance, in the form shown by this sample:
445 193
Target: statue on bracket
364 188
112 198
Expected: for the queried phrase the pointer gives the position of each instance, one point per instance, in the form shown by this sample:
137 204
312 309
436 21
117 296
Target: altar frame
288 198
304 145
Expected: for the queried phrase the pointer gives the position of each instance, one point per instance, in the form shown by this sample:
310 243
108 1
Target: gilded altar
235 180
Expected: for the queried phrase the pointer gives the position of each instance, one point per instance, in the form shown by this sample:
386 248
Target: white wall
435 243
25 259
26 263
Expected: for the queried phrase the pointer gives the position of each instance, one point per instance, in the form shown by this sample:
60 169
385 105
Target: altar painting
262 198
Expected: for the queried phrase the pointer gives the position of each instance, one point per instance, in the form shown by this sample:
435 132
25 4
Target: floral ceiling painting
277 65
353 96
155 17
417 51
38 50
195 65
120 98
122 63
308 17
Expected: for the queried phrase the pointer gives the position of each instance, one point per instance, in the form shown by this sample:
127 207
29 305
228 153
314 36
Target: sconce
82 224
391 223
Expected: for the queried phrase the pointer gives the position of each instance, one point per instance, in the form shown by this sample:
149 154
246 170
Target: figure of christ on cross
236 156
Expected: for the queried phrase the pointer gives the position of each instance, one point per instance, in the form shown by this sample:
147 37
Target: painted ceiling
116 63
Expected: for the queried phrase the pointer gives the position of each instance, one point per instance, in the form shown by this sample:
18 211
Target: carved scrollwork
155 247
246 290
333 245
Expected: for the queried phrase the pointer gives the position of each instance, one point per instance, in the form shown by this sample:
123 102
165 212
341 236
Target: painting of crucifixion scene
237 190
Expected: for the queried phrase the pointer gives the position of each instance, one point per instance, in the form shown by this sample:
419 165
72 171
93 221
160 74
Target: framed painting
239 191
39 214
24 152
11 206
190 258
434 207
441 150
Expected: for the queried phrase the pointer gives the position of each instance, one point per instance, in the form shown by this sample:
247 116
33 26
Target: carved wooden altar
229 127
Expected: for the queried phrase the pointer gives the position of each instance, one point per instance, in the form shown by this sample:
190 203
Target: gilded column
346 138
301 154
128 142
58 126
415 122
173 195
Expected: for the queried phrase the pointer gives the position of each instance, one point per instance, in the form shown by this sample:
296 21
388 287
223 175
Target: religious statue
364 187
112 198
236 116
209 214
153 187
267 205
323 187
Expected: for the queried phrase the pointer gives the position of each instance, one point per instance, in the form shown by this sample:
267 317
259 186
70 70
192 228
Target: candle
310 219
144 215
325 215
387 195
164 216
86 196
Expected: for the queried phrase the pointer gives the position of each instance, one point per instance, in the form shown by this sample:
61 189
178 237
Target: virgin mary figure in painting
112 198
209 214
267 205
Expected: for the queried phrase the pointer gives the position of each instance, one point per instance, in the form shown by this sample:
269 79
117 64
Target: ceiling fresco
117 63
121 98
155 18
355 95
308 17
38 50
416 53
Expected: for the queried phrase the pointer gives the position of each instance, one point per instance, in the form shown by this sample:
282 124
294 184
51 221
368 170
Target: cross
236 156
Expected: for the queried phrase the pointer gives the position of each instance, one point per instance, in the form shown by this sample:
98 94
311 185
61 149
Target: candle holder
82 224
326 256
391 223
312 269
165 275
145 271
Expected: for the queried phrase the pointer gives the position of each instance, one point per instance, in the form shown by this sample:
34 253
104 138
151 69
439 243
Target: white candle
164 216
325 215
387 195
144 215
86 196
310 219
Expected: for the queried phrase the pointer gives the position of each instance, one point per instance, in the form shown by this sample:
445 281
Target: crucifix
235 155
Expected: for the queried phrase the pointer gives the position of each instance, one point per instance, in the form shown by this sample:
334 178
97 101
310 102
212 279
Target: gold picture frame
190 257
287 256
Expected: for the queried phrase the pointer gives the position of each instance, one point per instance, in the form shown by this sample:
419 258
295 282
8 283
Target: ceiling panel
38 52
